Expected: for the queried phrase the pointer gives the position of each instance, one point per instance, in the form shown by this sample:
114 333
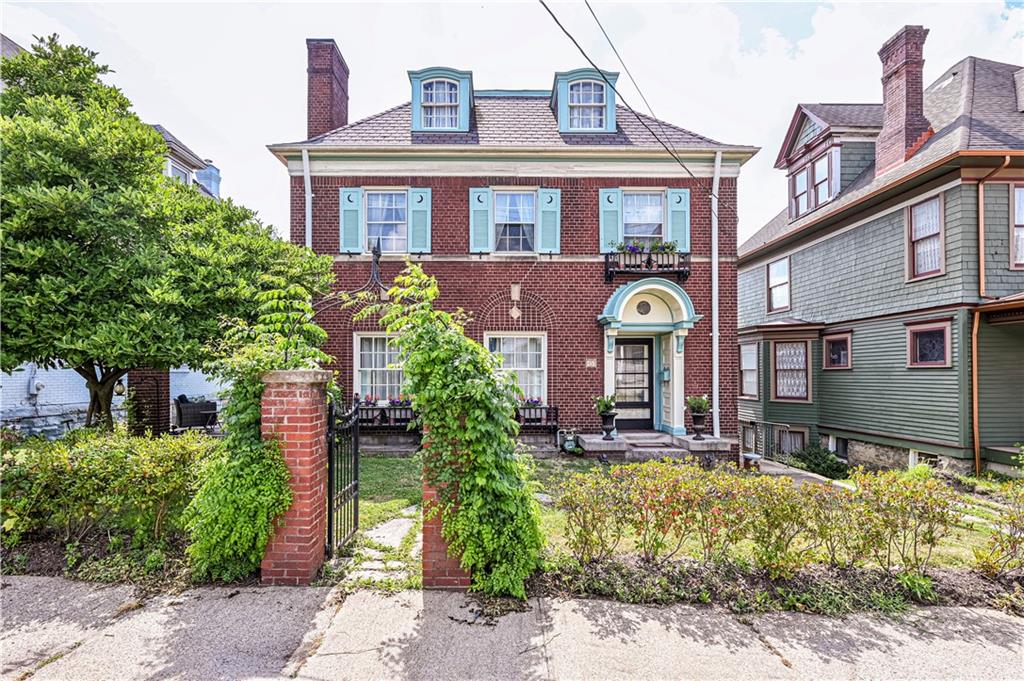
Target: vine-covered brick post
294 413
440 570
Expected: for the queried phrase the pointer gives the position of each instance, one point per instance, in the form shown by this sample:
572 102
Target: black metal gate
342 476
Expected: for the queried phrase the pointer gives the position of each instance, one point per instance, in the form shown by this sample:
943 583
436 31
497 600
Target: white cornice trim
917 198
522 168
495 257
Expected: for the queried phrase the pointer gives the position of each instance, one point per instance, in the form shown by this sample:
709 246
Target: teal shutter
610 218
481 230
679 218
351 214
419 220
549 239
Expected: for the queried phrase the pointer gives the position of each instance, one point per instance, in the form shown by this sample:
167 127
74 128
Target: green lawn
386 486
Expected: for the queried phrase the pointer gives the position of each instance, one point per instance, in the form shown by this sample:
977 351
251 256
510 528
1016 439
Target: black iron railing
674 264
386 417
542 419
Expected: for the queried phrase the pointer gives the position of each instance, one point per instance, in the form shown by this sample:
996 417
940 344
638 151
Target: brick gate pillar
151 394
294 413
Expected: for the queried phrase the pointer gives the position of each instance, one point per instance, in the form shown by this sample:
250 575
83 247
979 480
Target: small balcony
646 263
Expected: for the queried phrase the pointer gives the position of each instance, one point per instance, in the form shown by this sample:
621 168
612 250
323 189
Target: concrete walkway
56 629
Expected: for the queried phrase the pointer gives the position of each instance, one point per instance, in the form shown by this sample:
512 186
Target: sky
229 78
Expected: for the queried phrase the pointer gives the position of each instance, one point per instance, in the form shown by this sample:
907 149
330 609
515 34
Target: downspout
309 198
716 415
976 321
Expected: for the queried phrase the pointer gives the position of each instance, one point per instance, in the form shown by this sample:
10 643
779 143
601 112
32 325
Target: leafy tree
108 265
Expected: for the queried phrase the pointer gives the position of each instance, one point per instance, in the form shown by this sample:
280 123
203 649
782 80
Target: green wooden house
882 312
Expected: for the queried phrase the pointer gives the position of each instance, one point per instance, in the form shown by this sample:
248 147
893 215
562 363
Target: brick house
882 311
513 200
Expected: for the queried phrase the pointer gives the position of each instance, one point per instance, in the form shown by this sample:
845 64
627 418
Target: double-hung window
643 217
440 102
925 239
792 377
837 351
748 370
821 180
515 217
387 221
778 285
1017 230
179 173
801 193
525 357
378 372
811 186
586 105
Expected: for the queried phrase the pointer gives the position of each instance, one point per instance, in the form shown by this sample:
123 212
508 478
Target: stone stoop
651 445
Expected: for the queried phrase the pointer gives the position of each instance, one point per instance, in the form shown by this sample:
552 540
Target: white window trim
768 285
366 215
356 368
757 371
424 105
488 335
664 210
536 217
603 105
188 173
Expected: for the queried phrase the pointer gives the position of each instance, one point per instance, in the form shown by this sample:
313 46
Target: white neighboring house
52 401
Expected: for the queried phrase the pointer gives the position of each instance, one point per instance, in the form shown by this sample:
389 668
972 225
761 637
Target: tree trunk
100 382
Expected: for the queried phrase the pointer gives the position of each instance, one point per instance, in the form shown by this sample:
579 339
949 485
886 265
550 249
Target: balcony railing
645 263
542 419
387 417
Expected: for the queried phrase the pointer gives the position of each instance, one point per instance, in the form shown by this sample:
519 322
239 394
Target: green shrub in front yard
818 459
1005 548
95 480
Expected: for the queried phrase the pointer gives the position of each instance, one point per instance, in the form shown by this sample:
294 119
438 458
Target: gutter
716 414
307 185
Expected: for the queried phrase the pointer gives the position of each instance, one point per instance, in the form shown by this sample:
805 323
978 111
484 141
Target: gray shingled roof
176 145
972 106
510 121
848 115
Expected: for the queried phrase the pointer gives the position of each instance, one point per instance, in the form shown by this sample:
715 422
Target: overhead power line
670 150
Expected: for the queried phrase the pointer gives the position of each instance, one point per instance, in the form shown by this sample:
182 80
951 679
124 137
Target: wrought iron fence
342 475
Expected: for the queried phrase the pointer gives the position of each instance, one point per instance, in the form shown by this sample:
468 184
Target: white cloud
230 78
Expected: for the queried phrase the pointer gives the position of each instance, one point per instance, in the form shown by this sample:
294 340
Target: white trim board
777 255
518 168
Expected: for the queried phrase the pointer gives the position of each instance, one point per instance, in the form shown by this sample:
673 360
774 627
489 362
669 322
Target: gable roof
971 107
510 119
863 118
178 148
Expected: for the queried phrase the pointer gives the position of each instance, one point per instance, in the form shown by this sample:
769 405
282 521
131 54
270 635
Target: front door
634 377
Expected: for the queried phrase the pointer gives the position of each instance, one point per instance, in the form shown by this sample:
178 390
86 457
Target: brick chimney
904 128
327 93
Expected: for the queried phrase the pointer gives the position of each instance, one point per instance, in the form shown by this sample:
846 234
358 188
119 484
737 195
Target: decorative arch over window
501 313
441 99
584 100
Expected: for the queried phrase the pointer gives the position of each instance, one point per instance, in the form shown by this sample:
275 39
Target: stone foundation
884 457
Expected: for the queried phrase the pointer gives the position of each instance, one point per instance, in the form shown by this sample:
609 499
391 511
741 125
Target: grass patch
386 486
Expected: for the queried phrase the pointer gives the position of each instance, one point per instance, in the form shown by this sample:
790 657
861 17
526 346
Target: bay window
925 239
525 357
791 375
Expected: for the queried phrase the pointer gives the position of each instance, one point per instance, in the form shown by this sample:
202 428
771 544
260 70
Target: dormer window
179 172
440 104
811 186
586 105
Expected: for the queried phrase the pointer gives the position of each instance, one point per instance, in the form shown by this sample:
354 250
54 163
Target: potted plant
698 406
605 407
533 402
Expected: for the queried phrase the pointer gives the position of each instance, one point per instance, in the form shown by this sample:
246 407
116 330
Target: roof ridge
348 126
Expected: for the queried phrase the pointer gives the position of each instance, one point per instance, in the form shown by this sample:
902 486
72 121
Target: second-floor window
586 105
925 237
643 217
386 220
811 186
179 173
440 103
515 217
778 285
1017 230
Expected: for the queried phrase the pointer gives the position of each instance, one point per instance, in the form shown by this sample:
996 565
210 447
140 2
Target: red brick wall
327 87
560 297
440 571
293 412
904 123
151 398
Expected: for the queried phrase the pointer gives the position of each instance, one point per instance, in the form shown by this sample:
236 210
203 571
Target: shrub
100 480
720 510
655 504
593 515
1005 548
819 460
906 514
837 526
778 517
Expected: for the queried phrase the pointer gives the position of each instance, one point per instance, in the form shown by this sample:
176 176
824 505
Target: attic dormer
441 99
584 101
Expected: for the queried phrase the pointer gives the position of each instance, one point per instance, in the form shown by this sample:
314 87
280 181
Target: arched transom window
440 104
586 105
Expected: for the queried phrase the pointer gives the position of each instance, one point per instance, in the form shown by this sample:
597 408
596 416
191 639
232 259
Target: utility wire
622 99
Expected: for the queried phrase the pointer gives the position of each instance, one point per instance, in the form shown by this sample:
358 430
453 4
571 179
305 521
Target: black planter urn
608 424
698 425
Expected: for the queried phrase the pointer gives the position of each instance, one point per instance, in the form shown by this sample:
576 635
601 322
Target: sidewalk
57 629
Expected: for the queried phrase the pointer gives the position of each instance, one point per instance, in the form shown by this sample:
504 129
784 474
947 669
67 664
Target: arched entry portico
645 325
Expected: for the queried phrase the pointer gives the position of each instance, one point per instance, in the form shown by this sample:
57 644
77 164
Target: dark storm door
634 381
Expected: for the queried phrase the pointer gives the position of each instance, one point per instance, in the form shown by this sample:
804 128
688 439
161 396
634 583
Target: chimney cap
911 33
